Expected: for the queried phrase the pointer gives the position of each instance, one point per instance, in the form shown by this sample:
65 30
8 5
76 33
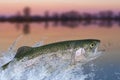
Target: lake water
106 67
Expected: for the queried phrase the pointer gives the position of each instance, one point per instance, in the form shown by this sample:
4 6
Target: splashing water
38 44
9 54
45 67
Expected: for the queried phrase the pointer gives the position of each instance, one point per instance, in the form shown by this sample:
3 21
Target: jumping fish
85 47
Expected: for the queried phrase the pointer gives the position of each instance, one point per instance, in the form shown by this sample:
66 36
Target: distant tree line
66 16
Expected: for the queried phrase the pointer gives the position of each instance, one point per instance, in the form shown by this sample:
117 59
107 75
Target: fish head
90 47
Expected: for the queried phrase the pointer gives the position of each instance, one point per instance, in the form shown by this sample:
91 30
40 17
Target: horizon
39 7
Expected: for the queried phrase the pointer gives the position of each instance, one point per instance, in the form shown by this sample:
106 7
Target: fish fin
21 51
5 66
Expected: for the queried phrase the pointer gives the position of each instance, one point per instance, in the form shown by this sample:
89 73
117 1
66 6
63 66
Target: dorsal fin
22 50
20 53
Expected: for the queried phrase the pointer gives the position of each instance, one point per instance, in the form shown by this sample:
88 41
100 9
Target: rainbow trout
85 47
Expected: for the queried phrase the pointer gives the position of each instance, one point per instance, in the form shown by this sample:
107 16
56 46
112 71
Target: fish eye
92 45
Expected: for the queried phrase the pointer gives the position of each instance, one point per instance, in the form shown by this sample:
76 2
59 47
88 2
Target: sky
11 7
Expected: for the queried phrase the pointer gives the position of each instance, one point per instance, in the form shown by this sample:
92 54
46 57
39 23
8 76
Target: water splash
38 44
45 67
9 54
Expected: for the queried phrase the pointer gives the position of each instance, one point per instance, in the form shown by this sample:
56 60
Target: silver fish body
90 46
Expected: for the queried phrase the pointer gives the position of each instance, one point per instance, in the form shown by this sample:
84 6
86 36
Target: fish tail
5 66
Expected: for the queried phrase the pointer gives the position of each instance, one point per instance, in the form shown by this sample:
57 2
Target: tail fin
5 66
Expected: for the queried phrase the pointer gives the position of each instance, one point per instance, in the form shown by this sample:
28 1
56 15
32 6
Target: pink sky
8 7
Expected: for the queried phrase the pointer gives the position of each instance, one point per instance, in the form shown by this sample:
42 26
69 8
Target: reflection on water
70 24
26 28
